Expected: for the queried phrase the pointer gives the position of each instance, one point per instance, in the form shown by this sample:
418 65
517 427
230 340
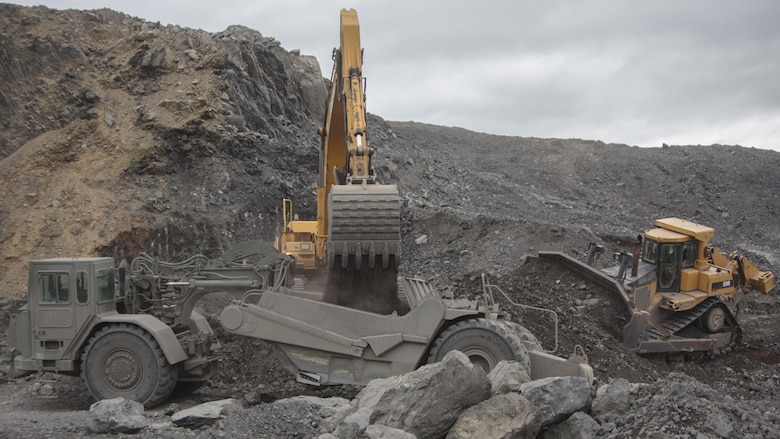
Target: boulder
557 397
425 402
504 416
614 397
578 426
327 408
507 377
385 432
203 414
117 415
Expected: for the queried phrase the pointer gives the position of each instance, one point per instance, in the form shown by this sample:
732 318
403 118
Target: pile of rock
452 398
455 399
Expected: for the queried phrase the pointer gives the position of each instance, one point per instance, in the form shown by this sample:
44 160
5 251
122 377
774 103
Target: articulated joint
361 151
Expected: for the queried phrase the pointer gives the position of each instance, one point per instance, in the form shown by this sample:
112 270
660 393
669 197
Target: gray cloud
641 73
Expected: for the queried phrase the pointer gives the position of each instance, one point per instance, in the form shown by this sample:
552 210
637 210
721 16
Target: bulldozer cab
671 252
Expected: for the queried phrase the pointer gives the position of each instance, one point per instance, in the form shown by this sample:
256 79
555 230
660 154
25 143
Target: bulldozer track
683 319
736 338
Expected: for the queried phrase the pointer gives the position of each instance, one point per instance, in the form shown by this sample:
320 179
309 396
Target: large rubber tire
485 342
529 340
124 360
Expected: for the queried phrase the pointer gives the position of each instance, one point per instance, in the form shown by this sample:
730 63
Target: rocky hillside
123 133
491 199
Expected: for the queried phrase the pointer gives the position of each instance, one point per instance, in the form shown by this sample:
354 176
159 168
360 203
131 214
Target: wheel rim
481 357
715 319
122 369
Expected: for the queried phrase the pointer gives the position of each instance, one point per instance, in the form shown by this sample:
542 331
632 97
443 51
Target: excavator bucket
364 246
364 220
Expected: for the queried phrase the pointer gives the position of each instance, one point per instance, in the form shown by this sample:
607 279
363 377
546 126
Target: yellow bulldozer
681 292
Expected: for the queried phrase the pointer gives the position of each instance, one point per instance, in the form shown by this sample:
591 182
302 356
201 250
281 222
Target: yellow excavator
357 233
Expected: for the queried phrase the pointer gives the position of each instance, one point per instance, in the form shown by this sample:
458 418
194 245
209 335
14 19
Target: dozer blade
593 274
364 245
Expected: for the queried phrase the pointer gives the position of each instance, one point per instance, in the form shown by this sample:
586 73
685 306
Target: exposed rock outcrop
121 133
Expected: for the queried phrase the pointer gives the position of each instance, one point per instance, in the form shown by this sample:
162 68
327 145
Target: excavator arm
358 217
345 160
357 233
344 144
344 154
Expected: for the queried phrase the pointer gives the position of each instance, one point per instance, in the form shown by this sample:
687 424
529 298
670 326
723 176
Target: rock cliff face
118 132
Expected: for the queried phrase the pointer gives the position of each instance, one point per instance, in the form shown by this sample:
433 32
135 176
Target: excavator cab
298 238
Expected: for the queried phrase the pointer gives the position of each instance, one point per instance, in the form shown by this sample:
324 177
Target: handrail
487 286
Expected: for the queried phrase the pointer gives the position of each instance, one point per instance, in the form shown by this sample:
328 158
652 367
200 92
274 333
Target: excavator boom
356 237
359 216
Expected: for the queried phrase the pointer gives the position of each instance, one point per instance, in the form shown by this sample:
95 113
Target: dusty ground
106 145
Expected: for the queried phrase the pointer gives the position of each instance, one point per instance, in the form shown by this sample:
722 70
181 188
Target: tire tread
167 373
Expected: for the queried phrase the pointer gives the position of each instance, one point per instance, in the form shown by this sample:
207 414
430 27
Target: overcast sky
636 72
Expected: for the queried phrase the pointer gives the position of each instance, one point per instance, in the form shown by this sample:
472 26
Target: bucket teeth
364 220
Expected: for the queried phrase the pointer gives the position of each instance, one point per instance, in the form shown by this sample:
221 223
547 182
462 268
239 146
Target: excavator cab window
669 267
